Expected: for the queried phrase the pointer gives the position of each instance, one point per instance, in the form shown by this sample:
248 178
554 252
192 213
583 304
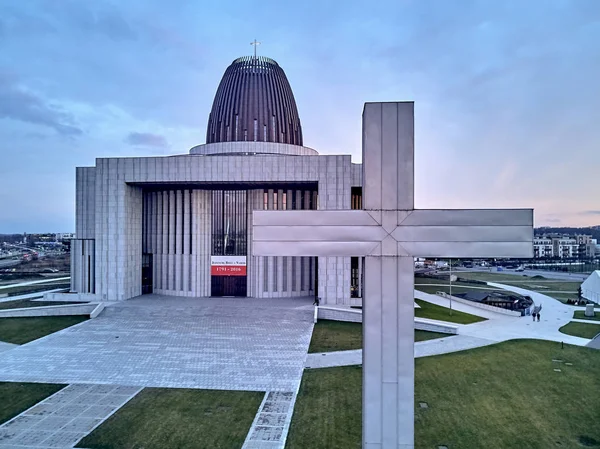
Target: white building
182 225
543 248
565 247
590 288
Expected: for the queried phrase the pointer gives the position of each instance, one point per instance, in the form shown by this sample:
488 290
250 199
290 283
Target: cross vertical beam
388 309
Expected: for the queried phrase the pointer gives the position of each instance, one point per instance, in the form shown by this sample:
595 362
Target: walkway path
6 346
497 328
42 281
32 295
452 343
64 418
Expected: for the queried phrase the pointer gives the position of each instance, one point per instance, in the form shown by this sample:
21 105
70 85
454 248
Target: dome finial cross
255 43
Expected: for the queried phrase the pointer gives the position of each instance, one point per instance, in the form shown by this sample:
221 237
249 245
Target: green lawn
16 397
435 312
584 330
23 330
159 418
25 303
501 396
580 314
437 285
561 290
329 336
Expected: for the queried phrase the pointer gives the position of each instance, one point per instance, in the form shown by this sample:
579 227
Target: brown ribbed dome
254 102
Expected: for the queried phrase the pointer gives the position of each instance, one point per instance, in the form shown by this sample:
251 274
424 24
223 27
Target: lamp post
450 286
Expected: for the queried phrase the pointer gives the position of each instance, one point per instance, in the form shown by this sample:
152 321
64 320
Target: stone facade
120 199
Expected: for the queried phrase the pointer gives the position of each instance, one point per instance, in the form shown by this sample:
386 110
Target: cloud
553 220
146 139
590 212
18 103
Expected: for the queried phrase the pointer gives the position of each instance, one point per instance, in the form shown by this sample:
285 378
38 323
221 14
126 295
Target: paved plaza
224 344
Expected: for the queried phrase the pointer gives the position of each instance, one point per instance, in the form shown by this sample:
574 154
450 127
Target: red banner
228 270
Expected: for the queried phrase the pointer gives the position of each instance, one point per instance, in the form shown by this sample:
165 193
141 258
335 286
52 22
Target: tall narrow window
266 274
255 130
275 279
265 200
294 261
284 201
265 133
275 200
236 127
284 273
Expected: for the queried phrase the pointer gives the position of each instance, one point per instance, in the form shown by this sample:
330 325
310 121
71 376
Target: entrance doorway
146 274
228 286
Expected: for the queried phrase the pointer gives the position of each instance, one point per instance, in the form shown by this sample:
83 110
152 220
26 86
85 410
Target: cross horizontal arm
466 233
315 233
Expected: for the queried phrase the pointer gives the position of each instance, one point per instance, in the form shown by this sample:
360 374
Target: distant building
556 246
60 236
543 248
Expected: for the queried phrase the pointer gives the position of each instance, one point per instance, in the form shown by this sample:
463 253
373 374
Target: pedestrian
533 315
538 316
316 302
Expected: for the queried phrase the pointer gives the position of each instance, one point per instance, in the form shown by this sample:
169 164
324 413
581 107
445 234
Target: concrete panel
343 233
371 156
470 217
462 233
313 248
372 352
313 218
469 249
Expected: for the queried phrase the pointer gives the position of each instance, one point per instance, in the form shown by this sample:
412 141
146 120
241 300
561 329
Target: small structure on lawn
505 300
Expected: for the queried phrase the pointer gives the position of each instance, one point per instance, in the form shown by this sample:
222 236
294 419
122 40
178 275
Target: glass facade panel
229 223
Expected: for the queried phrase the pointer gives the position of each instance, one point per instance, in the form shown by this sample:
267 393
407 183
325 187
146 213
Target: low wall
66 297
355 316
339 314
423 324
62 310
479 305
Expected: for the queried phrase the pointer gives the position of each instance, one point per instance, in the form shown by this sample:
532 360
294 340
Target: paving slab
64 418
216 343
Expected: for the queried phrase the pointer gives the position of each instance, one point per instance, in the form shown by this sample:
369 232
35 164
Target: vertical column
186 242
278 260
288 265
195 249
172 218
165 241
177 265
388 309
298 264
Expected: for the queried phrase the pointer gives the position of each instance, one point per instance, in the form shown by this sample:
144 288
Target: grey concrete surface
229 344
64 418
6 346
272 422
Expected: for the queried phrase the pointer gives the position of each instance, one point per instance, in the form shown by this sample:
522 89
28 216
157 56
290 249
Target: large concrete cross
390 233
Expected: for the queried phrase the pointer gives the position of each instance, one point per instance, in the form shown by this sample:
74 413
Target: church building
181 225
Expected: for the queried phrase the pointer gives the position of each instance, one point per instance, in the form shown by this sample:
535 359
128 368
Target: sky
507 93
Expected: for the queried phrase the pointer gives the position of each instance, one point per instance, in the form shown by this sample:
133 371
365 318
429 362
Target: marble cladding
109 210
